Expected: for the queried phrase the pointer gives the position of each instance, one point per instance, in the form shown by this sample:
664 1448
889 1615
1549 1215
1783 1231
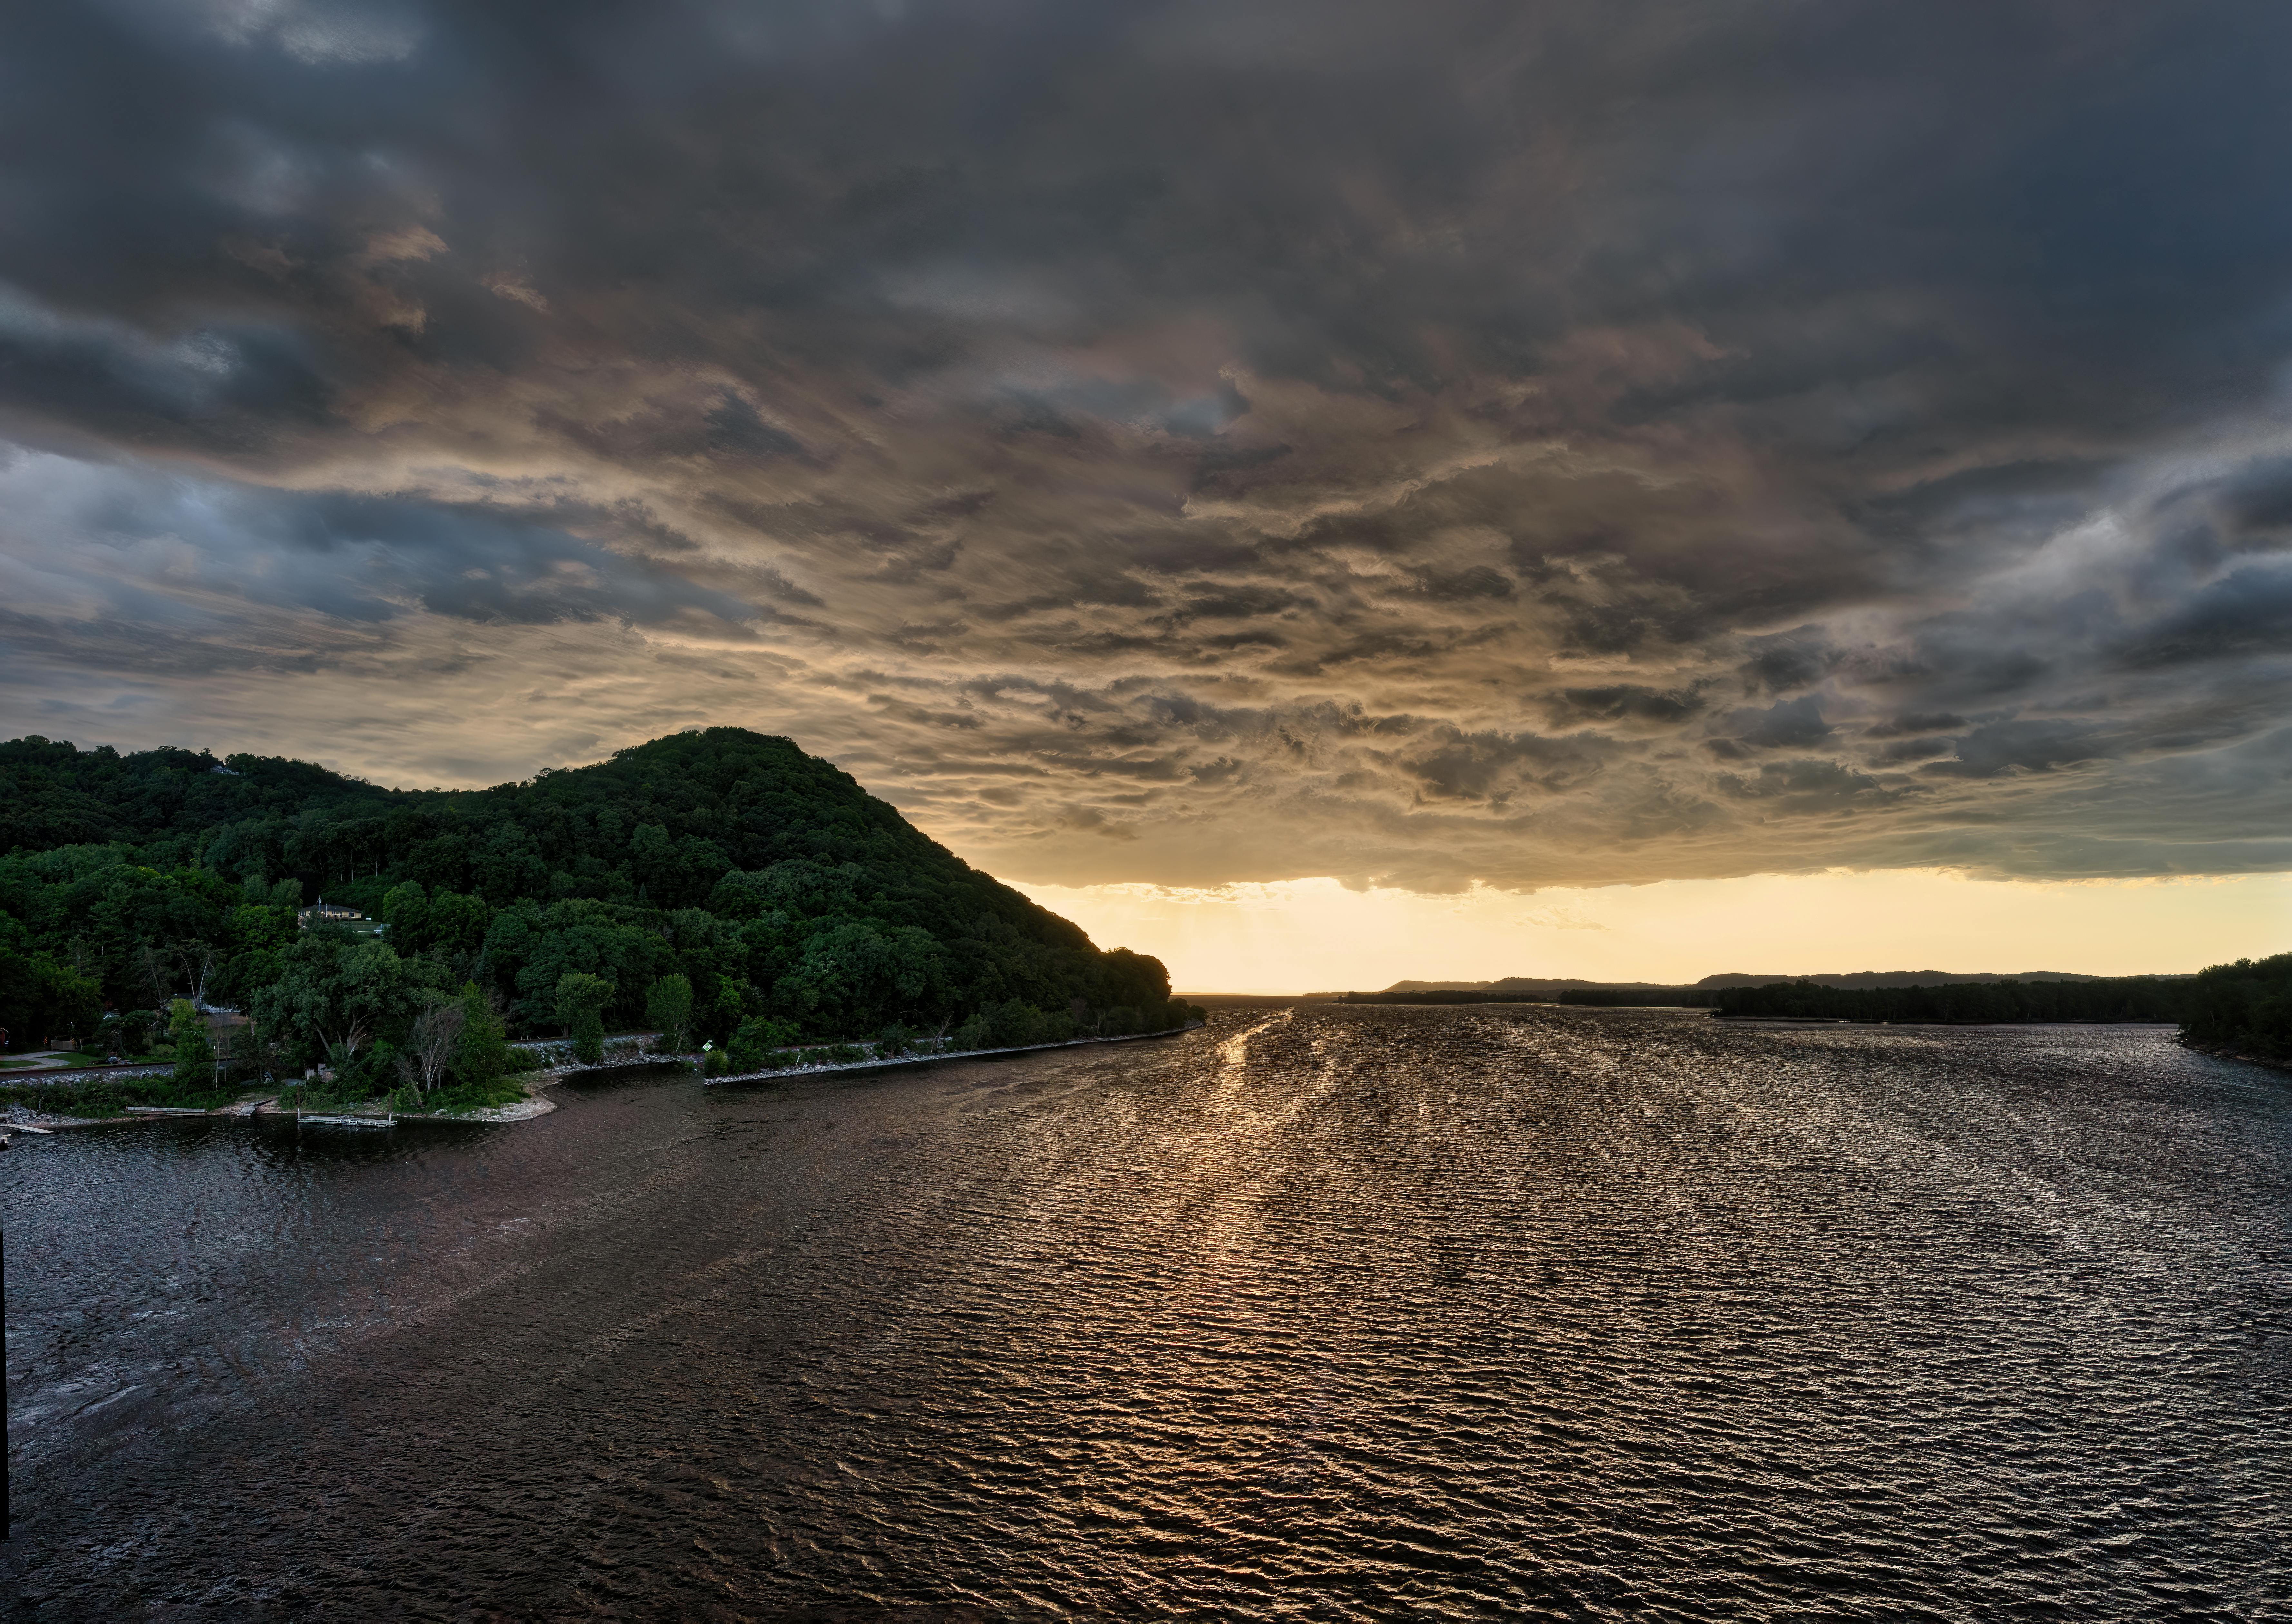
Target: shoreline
539 1049
267 1109
1841 1020
534 1104
537 1102
2222 1052
960 1054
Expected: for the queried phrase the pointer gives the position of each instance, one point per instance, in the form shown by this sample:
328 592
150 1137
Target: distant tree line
2131 998
1639 998
1438 997
2244 1003
1607 998
722 882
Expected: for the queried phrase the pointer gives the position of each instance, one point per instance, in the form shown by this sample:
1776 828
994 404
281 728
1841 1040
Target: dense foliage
1441 996
2130 998
2246 1005
1640 998
719 880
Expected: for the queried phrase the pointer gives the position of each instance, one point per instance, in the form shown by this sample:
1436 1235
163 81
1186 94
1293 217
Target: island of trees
2243 1009
722 887
2128 997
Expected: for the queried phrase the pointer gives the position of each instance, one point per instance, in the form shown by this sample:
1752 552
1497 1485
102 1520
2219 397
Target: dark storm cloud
1809 786
1789 664
1457 440
1622 702
2247 611
1452 766
155 546
97 376
2023 746
1788 724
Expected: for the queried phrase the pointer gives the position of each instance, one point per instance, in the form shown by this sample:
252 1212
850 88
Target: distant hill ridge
1843 979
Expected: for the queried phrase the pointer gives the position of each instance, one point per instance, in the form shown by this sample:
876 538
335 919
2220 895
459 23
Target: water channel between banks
1320 1312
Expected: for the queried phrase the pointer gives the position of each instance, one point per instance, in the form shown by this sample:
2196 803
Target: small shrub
459 1100
344 1088
135 1030
108 1097
752 1045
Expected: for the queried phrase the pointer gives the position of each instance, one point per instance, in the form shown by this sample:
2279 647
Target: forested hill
770 879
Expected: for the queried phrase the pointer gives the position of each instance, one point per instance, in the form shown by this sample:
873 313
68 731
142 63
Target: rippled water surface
1319 1314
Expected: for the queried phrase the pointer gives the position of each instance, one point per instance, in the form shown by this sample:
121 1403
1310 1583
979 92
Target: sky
1809 482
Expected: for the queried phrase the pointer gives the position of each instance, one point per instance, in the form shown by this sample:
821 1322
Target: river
1321 1313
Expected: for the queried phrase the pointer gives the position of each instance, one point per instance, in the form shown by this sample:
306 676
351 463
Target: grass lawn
471 1097
438 1102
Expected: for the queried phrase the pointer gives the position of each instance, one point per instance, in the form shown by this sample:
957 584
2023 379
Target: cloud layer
1185 442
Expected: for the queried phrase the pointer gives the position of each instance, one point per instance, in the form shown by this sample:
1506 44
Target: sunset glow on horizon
1310 935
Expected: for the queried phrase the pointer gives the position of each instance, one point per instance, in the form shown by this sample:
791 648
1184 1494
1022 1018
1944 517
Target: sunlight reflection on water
1323 1312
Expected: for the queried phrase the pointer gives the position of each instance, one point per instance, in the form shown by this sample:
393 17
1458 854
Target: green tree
668 1007
855 975
484 1053
432 1038
39 995
581 1001
534 948
1017 1024
2245 1006
719 1004
336 995
195 1056
134 1031
756 1041
446 923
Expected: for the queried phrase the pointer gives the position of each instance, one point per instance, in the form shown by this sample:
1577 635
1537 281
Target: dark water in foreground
1318 1315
